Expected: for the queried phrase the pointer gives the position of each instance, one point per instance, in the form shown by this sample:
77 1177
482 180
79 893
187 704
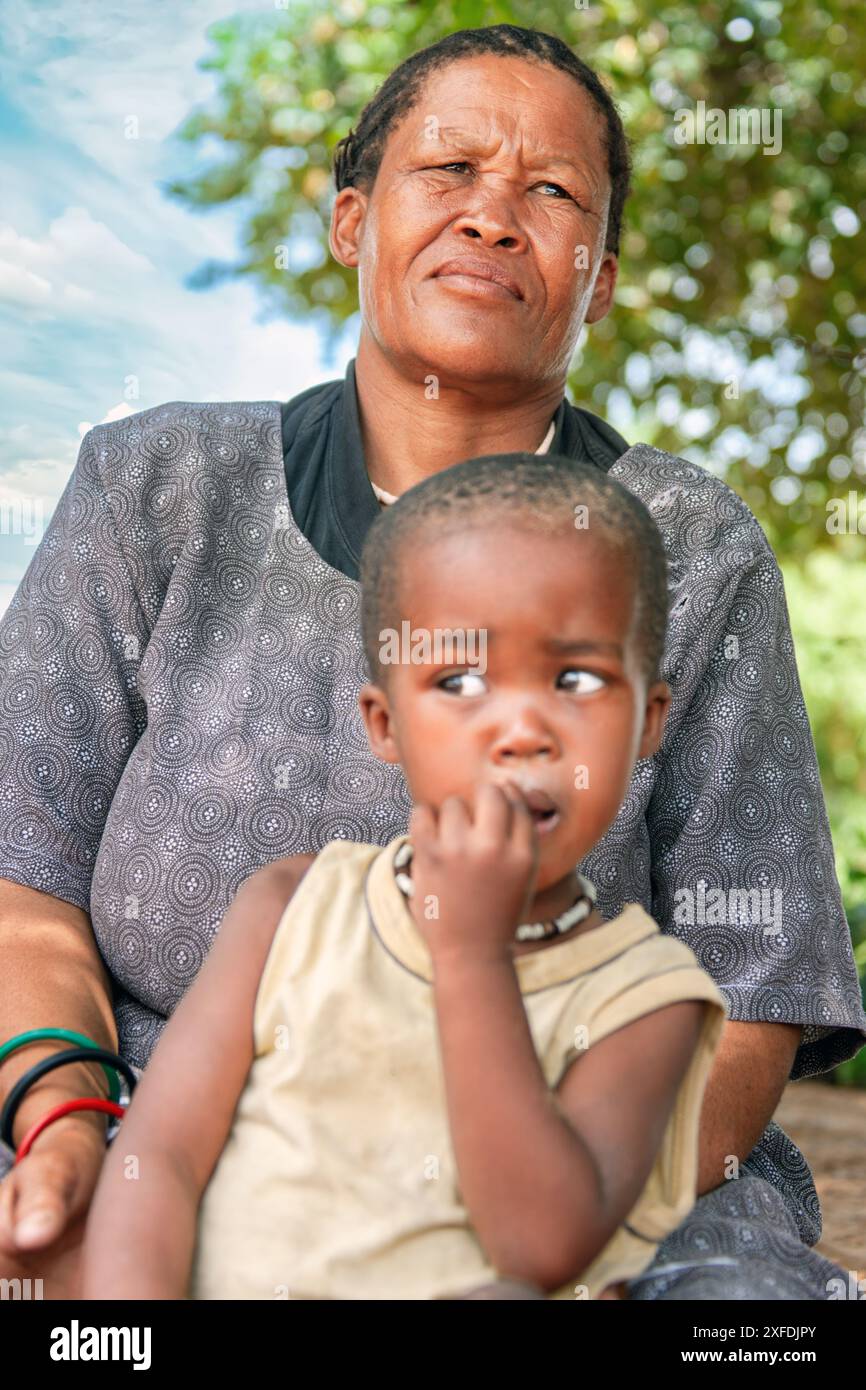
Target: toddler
431 1070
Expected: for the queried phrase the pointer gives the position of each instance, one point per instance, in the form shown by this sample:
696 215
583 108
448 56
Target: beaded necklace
527 931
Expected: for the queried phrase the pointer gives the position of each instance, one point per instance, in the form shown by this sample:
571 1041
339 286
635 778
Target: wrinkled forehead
487 103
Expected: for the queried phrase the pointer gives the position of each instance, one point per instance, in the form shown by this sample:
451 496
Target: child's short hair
545 491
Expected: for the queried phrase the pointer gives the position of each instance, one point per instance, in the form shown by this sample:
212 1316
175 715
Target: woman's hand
474 870
44 1201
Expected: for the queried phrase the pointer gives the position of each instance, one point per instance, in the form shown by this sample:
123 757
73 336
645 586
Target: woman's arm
80 695
750 1071
547 1179
140 1235
52 976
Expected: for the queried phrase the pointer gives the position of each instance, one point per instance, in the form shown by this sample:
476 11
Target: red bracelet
66 1107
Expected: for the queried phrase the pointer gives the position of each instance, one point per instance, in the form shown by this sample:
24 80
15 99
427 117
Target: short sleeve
70 711
742 860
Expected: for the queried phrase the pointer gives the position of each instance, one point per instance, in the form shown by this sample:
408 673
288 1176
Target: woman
183 659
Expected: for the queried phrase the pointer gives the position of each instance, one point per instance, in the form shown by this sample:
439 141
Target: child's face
556 703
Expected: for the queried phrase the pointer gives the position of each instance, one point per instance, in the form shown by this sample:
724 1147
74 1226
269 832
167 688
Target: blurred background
166 195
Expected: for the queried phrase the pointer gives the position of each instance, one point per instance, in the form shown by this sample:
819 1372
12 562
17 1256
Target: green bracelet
63 1035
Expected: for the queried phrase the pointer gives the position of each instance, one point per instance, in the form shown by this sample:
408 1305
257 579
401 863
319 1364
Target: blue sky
93 256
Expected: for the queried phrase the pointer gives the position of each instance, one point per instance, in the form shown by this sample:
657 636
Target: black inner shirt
330 495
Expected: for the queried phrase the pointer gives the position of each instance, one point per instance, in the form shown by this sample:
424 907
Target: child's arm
547 1179
140 1234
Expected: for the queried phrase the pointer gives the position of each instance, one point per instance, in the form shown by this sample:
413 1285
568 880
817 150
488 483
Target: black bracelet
60 1059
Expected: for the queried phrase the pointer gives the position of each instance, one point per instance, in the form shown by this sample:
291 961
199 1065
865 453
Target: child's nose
525 735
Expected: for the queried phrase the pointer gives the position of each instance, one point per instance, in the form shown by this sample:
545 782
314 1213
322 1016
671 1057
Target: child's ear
379 723
658 703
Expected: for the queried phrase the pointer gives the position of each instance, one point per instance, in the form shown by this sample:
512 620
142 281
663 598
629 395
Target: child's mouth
545 820
545 813
542 808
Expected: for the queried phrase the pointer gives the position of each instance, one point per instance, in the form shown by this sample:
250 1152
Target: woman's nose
494 221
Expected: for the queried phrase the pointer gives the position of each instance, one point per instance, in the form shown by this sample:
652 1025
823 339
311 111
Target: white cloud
93 255
38 467
117 412
78 74
86 68
20 286
84 242
7 592
80 261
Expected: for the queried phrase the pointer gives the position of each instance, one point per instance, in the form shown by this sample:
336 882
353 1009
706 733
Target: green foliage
732 258
738 337
825 597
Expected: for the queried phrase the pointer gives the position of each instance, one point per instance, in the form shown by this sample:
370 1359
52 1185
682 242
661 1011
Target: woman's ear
658 703
347 217
603 289
379 722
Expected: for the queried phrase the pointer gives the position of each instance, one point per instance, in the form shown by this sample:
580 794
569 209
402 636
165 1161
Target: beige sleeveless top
338 1179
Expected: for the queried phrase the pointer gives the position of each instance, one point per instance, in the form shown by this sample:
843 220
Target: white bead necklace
527 931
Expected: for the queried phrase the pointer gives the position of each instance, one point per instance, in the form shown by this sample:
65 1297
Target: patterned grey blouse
178 706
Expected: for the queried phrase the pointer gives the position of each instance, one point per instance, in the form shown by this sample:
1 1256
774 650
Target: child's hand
474 871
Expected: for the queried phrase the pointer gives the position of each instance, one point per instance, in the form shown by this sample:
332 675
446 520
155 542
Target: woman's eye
564 191
463 683
464 164
584 682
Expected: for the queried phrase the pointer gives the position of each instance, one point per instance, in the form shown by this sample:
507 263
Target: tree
739 335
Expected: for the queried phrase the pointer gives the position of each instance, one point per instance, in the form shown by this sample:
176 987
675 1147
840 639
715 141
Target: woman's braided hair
357 156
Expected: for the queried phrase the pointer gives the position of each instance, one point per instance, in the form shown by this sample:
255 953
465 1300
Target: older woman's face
524 190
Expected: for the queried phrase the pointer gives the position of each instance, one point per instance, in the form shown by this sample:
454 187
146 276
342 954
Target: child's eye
468 688
584 682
